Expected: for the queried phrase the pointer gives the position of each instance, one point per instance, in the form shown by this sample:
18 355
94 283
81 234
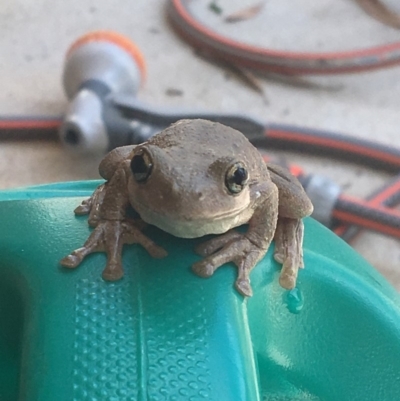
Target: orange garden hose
271 60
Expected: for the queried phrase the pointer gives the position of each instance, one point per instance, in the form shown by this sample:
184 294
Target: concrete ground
35 34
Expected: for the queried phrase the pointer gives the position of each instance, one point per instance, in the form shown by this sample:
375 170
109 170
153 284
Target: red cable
12 124
314 141
379 199
377 218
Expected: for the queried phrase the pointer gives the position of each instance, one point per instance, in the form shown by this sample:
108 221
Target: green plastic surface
163 333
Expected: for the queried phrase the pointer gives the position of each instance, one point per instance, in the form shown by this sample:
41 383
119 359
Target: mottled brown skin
187 195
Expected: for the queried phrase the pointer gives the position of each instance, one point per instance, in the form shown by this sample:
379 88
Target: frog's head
190 192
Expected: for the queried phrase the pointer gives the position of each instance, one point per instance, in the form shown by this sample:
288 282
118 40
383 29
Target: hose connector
99 66
323 193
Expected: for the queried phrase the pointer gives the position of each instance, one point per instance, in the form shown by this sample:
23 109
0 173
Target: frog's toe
279 257
133 235
72 260
289 250
157 252
287 282
243 286
203 269
93 220
288 276
83 208
113 272
204 249
211 246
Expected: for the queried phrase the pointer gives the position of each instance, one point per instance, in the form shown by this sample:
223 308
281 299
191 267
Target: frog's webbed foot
91 206
289 250
230 247
109 236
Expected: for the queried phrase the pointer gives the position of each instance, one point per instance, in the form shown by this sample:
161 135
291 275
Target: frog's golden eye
141 165
236 178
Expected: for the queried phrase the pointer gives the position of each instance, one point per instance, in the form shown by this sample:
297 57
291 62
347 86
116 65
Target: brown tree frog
194 178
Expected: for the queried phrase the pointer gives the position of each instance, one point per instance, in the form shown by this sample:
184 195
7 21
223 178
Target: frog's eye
236 178
141 165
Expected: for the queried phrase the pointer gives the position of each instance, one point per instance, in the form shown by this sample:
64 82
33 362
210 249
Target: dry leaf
245 14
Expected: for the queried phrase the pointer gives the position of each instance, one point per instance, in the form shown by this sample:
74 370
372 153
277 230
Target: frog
192 179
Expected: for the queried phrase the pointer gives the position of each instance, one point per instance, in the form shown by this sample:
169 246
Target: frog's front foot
91 206
109 236
230 247
289 250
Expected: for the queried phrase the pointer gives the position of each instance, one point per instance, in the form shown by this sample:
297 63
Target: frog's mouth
195 226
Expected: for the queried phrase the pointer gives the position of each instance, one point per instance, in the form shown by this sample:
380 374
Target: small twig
255 82
243 74
245 14
376 9
300 82
249 79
